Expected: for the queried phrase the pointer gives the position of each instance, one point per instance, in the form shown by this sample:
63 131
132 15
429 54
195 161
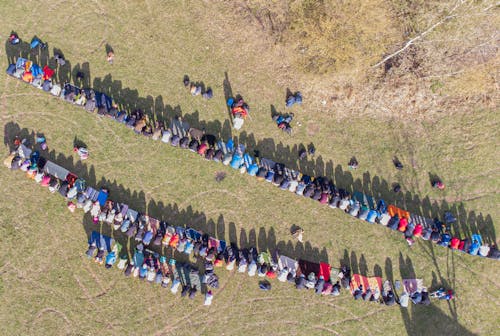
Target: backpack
166 135
202 148
90 105
209 94
209 154
14 39
218 155
174 141
193 145
302 154
298 98
290 101
184 142
312 150
47 85
35 42
11 69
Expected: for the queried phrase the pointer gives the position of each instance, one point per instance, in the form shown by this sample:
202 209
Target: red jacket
455 242
403 223
271 274
174 240
240 110
418 230
202 149
324 198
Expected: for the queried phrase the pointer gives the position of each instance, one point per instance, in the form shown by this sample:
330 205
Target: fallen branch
421 35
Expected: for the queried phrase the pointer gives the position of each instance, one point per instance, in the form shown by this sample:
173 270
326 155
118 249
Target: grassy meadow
49 287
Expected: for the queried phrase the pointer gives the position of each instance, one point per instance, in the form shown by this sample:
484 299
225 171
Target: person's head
311 149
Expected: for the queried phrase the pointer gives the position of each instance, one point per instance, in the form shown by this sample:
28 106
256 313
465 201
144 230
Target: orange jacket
174 241
28 77
239 110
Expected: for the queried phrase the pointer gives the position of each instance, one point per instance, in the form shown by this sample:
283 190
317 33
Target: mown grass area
48 286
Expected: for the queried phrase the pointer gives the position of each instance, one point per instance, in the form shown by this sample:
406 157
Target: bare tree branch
491 6
421 35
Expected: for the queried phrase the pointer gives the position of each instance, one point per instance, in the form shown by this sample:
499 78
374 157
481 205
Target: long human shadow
228 93
128 99
171 213
417 320
429 320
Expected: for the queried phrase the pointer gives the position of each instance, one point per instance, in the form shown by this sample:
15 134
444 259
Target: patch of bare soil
421 82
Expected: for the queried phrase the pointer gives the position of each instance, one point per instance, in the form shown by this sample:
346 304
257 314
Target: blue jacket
143 272
147 237
372 215
474 248
111 258
236 161
252 169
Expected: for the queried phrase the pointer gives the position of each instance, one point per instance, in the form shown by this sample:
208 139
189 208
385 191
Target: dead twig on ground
448 17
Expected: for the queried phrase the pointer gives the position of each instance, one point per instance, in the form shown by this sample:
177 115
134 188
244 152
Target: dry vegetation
334 45
325 37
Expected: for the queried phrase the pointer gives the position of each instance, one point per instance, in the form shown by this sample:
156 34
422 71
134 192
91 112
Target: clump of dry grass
328 35
478 80
339 36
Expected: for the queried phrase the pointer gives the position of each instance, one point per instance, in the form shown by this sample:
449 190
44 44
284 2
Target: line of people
150 233
321 189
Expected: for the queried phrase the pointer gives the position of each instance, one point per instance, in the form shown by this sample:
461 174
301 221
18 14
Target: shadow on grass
430 320
228 93
22 49
418 319
128 99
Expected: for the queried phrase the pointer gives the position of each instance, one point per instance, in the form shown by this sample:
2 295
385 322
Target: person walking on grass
110 57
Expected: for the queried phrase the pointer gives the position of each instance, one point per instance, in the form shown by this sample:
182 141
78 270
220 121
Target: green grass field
49 287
